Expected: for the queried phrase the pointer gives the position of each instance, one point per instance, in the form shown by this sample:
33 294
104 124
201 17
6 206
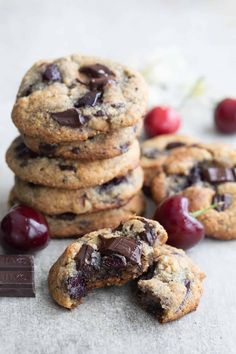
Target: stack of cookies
77 159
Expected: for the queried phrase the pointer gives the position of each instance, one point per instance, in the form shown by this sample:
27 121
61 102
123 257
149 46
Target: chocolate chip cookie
68 174
112 194
154 152
76 97
206 174
100 146
74 225
172 286
104 258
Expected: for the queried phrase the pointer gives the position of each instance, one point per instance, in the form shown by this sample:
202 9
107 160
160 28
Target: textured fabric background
204 33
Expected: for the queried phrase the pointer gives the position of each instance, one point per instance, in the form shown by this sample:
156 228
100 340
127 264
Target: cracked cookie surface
104 258
206 174
68 174
172 286
76 97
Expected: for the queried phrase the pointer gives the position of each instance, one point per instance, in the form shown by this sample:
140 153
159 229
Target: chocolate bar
218 175
17 276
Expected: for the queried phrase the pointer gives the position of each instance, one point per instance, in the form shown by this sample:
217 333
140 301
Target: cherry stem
199 212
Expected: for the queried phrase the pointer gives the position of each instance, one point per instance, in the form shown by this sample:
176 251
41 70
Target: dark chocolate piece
16 276
76 286
149 274
64 216
76 151
96 70
23 152
148 235
114 182
152 153
223 201
67 168
114 262
89 99
174 145
194 176
70 118
47 149
125 246
87 256
218 175
51 73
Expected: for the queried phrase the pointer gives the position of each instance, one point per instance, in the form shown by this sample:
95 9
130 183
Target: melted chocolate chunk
51 73
76 151
149 273
96 71
112 183
23 152
174 145
125 246
149 234
223 201
114 262
89 99
70 118
152 153
67 168
87 257
47 149
194 175
76 286
218 175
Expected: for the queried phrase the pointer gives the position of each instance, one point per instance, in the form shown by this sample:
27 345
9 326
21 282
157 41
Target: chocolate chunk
89 99
99 113
187 284
76 150
70 118
125 246
51 73
23 152
194 176
149 274
174 145
152 153
17 276
96 71
218 175
112 183
76 286
87 256
47 149
99 83
114 262
223 201
149 234
67 168
64 216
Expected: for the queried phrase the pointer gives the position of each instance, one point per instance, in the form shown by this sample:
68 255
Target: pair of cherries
165 120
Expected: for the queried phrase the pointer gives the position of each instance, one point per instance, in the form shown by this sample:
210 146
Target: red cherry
184 231
225 116
24 229
161 120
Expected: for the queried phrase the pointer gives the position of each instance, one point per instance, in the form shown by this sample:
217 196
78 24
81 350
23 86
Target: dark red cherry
24 229
161 120
225 116
184 231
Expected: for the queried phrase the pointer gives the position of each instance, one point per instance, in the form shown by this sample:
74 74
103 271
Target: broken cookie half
104 258
172 286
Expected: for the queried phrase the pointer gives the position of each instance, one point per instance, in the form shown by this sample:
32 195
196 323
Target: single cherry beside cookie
161 120
225 116
24 229
184 230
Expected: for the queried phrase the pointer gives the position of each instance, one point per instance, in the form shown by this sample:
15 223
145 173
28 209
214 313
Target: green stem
199 212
